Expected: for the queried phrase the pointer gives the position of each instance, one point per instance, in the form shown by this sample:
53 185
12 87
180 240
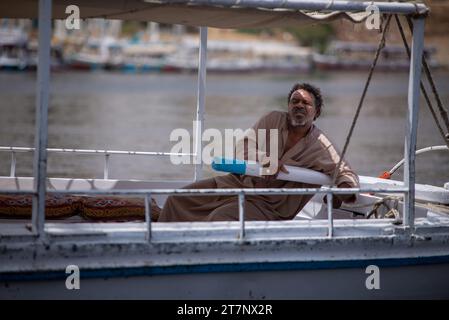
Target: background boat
14 53
343 55
98 53
147 56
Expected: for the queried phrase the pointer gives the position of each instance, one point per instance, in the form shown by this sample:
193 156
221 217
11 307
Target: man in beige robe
300 144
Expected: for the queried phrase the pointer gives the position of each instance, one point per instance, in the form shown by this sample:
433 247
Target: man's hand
338 199
346 197
273 177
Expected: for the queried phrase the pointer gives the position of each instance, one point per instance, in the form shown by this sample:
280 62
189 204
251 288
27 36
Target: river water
115 111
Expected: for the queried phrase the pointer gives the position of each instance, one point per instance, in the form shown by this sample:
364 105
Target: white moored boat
323 253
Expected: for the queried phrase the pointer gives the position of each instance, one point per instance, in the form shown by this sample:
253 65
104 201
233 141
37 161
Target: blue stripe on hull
231 267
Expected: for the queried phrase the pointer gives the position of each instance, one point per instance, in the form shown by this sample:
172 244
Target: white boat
237 56
98 53
343 55
146 56
57 61
307 257
14 53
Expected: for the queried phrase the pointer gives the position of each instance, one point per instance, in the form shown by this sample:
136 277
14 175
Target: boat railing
417 12
241 193
105 153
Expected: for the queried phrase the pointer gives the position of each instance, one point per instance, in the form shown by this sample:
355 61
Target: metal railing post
200 103
106 166
412 120
148 216
42 101
330 218
241 201
13 165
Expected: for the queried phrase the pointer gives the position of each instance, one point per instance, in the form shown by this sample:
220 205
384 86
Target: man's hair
316 92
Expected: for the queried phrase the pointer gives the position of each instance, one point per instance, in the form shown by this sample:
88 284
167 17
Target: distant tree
317 36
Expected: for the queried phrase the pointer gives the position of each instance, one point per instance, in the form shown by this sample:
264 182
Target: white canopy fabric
190 13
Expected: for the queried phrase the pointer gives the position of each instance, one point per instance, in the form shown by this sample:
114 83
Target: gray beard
295 123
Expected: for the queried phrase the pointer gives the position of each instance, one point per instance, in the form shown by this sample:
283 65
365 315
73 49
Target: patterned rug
90 208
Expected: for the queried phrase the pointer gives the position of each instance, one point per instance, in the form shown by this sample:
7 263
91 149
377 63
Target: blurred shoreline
152 48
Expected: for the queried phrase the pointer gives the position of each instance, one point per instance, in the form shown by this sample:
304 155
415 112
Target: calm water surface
115 111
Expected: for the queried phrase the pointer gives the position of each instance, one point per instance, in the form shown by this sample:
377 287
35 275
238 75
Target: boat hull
278 281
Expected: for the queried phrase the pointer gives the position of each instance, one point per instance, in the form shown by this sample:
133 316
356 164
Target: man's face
301 108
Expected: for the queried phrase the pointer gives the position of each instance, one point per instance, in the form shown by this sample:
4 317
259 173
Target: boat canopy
215 13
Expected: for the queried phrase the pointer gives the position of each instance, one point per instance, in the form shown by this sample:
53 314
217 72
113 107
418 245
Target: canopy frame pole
200 104
41 135
316 5
411 127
